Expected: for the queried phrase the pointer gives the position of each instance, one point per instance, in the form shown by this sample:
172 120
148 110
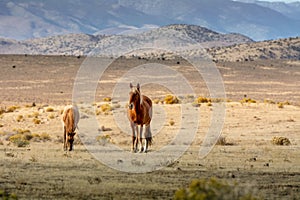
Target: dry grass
202 100
20 118
170 99
248 100
171 122
281 141
12 109
49 109
36 121
107 99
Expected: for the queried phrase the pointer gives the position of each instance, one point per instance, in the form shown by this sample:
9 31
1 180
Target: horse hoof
133 151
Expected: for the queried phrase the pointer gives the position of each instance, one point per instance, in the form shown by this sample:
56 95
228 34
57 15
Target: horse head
134 96
70 137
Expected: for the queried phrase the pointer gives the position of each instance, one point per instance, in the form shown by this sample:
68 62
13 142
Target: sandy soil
43 170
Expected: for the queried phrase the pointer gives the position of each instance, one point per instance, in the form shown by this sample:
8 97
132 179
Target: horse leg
133 137
137 138
65 139
147 137
141 139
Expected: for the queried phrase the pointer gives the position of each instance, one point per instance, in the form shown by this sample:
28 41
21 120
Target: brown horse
70 120
139 114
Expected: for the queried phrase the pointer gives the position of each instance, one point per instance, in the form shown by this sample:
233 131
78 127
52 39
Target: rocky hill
83 44
288 48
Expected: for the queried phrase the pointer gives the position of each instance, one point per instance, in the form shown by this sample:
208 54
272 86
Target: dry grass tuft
269 101
202 100
171 122
20 118
12 109
247 100
49 109
36 121
104 139
105 108
107 99
223 142
281 141
170 99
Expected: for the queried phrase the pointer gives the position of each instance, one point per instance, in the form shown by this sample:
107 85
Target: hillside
288 48
83 44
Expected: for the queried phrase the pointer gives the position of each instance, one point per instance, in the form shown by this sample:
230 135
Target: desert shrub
247 100
156 101
45 137
171 122
281 141
202 100
221 141
209 104
170 99
12 108
21 131
36 121
269 101
19 140
280 105
212 188
105 108
33 115
49 109
103 139
51 116
20 118
107 99
7 196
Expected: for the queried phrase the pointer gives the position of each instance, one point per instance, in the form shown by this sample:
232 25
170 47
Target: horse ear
130 85
138 86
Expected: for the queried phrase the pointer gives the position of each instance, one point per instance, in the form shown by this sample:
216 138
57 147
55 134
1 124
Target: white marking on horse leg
137 138
141 139
133 136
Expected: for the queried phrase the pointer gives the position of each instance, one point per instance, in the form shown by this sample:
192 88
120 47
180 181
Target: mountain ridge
36 18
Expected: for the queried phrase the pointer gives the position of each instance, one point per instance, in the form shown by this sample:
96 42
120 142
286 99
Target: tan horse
70 118
139 114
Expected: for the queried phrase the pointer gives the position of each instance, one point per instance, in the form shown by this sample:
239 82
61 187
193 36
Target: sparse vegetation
21 137
106 107
280 105
36 121
202 100
49 109
171 122
104 139
19 140
7 196
12 109
170 99
248 100
20 118
281 141
107 99
206 189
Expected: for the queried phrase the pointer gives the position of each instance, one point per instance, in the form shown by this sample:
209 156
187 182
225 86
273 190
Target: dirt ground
35 89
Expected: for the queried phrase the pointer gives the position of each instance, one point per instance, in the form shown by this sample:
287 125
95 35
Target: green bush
212 189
